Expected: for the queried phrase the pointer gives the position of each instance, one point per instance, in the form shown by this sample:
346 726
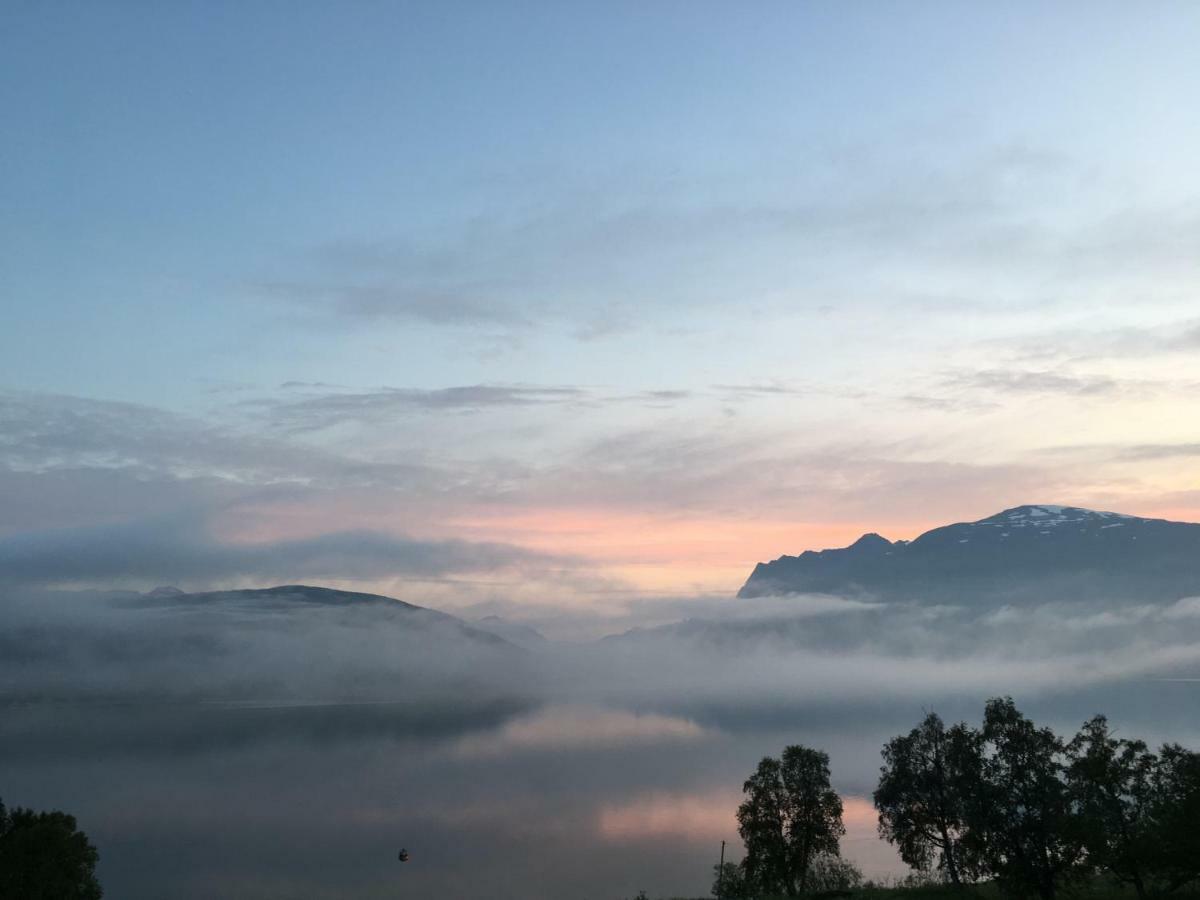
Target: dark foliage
1175 813
922 792
729 882
1021 823
791 816
1112 783
1014 804
44 856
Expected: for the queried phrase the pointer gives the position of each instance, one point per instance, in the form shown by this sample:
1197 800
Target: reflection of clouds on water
861 844
565 728
858 813
657 814
526 817
707 817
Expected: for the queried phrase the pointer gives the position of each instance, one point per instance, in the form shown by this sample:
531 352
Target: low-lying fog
288 746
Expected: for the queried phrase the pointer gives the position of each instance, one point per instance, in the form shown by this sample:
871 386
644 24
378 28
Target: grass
1095 889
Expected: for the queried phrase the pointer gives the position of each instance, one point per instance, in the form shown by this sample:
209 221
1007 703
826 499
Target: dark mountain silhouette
1025 554
168 672
296 598
290 645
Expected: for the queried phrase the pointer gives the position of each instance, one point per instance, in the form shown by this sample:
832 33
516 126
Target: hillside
1028 553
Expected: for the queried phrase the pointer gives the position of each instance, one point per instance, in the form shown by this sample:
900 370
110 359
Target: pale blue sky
163 160
924 231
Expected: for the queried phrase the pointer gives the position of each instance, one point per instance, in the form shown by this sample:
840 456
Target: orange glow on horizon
644 551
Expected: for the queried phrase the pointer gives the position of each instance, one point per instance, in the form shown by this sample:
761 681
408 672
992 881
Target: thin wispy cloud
1008 381
456 306
316 409
181 549
1084 344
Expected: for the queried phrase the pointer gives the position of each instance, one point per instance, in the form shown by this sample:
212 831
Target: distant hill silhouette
514 632
1034 553
298 597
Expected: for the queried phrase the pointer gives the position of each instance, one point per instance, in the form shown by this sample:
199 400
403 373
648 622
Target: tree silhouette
830 874
790 816
43 856
1175 812
1020 821
922 796
1112 783
1013 803
729 882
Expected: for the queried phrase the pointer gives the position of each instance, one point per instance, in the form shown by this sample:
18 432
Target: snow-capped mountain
1025 553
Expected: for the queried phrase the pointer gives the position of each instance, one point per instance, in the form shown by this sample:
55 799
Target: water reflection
533 802
211 752
695 817
567 727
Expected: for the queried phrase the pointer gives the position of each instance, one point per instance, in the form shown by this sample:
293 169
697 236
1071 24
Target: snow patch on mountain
1047 515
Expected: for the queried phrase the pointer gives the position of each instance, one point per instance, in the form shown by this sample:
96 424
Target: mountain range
1032 553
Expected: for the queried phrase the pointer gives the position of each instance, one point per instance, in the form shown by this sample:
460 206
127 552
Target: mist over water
289 745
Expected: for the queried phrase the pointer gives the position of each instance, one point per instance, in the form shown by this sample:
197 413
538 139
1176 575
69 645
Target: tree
790 816
729 882
763 826
1013 803
43 856
1020 821
1174 811
922 794
1112 785
832 873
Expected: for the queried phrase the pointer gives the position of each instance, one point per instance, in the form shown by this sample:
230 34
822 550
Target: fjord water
574 802
289 743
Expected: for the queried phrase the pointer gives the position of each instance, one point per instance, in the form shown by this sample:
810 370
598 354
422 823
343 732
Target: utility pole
721 874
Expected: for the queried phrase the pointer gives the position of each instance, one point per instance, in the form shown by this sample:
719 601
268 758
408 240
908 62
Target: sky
504 307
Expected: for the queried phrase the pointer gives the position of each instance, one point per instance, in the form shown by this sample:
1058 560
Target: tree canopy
44 856
922 792
1020 818
1014 803
1112 786
1175 812
790 817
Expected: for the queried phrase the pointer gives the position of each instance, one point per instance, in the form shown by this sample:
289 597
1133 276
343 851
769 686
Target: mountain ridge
1010 555
295 597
